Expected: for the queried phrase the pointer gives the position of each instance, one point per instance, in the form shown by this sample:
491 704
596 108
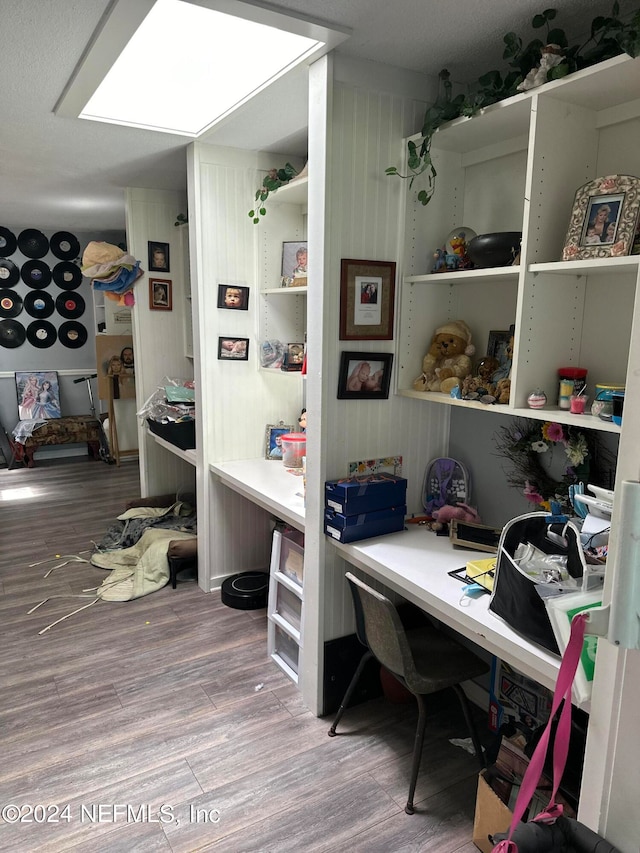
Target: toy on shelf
448 360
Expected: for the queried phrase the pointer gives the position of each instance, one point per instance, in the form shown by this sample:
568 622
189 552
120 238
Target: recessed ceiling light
179 66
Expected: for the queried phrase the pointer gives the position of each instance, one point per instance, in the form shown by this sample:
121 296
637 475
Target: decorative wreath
525 443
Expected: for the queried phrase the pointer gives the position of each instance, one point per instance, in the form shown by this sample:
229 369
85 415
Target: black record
67 276
41 334
8 242
33 243
70 305
36 274
39 304
9 273
64 246
72 335
10 303
12 334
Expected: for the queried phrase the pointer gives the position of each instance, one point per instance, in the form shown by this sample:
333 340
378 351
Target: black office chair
424 659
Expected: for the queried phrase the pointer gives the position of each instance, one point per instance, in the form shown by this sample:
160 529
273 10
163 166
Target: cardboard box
491 815
350 528
365 493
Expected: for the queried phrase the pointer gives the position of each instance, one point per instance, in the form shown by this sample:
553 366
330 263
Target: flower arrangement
529 446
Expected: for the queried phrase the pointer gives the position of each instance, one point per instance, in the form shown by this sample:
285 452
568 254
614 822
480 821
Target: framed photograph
160 294
497 344
273 439
236 349
367 293
158 260
364 375
294 264
294 357
233 296
38 395
604 219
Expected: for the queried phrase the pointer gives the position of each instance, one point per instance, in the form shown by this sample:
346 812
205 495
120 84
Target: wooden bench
75 429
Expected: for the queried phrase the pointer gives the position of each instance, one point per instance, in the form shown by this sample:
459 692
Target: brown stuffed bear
447 362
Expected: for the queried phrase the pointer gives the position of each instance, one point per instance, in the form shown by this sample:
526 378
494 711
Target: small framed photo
233 296
158 260
367 294
364 375
604 218
160 294
498 343
236 349
294 357
273 439
294 264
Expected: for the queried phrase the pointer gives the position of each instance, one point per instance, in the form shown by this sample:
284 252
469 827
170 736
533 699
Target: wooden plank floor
161 725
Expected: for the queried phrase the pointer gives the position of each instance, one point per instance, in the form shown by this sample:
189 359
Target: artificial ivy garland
526 443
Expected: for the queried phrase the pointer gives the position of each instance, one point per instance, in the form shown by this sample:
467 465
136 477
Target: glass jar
572 381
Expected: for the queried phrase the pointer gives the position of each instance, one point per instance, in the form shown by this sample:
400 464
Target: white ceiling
62 173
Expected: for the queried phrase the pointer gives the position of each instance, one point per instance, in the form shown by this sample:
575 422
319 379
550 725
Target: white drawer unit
285 609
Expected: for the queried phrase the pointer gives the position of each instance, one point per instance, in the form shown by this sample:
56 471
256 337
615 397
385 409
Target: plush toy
463 512
447 362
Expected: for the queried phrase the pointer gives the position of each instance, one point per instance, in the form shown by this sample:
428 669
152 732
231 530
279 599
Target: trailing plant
274 179
609 37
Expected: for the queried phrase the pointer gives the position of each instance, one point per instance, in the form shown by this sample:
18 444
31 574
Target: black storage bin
182 435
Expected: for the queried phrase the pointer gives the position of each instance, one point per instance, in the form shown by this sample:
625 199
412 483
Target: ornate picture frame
160 294
364 375
273 432
367 300
604 218
158 256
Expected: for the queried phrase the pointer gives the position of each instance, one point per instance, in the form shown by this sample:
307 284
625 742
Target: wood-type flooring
161 725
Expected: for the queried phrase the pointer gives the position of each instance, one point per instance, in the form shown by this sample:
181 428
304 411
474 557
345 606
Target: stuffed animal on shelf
447 362
462 512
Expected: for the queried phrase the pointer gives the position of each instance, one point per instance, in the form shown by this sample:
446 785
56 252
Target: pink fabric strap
532 775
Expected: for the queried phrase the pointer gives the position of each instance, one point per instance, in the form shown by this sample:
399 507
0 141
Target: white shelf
610 266
268 484
295 192
288 291
459 276
188 455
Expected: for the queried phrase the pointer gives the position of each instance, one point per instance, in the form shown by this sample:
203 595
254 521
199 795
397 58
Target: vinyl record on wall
10 303
39 304
41 334
8 242
12 334
72 334
70 305
33 243
67 275
64 246
36 274
9 273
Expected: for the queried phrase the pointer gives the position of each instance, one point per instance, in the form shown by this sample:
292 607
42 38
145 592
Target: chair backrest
381 626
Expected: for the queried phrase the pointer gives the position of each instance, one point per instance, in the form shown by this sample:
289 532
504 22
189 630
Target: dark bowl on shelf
494 250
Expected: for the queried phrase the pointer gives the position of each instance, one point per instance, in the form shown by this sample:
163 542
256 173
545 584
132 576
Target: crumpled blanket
25 429
130 526
139 570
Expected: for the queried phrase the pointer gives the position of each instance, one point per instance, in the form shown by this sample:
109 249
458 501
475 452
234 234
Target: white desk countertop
415 563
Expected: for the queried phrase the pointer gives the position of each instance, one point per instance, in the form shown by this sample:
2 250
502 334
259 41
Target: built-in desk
415 562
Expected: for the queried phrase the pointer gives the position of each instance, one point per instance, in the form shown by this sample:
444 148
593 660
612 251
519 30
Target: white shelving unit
286 603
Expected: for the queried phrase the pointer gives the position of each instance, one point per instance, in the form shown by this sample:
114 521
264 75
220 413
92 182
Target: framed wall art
38 395
273 439
364 375
233 297
236 349
367 293
294 264
158 256
160 294
604 219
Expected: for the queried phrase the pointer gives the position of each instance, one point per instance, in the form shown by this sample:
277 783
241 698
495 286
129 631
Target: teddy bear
447 362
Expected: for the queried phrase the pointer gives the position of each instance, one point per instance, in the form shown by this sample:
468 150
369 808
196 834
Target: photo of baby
234 348
233 296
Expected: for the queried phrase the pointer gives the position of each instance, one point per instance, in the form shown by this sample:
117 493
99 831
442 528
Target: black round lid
33 243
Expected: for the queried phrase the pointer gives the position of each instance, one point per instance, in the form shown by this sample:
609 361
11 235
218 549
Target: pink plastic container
294 449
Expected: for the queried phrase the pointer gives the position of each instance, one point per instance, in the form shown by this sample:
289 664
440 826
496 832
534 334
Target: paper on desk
592 524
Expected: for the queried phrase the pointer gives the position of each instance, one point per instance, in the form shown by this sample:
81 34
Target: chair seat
440 661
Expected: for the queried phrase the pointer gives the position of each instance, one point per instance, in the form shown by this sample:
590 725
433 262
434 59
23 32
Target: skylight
188 63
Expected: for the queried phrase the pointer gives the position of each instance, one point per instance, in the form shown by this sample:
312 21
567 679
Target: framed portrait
235 349
367 293
273 439
38 395
364 375
115 367
233 296
160 294
498 343
158 259
604 219
294 264
294 356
